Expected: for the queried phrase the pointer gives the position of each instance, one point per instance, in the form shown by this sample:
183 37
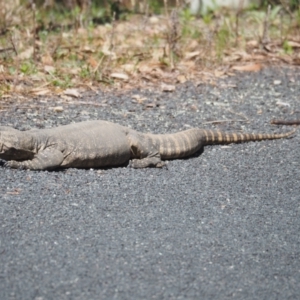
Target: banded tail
188 142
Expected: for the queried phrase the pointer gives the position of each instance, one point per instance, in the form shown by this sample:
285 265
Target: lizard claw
160 164
12 164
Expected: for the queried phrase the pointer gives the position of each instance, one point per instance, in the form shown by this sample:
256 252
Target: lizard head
15 144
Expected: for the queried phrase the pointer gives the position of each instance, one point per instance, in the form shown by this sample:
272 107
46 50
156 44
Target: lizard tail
220 137
188 142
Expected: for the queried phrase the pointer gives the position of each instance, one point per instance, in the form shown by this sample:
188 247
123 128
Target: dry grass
48 53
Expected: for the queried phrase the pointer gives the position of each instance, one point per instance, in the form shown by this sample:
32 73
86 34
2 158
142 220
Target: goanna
96 144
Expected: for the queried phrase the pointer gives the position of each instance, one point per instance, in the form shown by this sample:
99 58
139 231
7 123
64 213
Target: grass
54 50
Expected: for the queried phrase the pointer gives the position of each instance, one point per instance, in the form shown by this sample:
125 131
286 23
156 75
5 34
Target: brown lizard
95 144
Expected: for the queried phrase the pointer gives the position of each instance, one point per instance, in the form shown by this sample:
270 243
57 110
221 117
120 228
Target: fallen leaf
49 69
87 49
151 105
26 54
14 192
252 43
238 56
280 103
181 78
57 108
47 59
138 98
74 70
219 73
72 92
167 87
121 76
128 68
191 55
154 19
40 91
145 68
93 62
248 68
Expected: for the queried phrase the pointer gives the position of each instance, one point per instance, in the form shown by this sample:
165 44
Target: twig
166 8
281 24
98 65
239 114
285 122
173 36
6 49
112 34
237 17
13 44
222 121
33 7
146 16
265 38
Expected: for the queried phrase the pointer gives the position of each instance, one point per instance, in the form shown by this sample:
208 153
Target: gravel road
221 225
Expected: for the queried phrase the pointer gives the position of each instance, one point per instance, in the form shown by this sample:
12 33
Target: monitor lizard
96 144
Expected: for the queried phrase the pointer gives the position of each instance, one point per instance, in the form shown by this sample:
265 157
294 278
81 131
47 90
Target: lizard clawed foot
161 164
146 162
12 164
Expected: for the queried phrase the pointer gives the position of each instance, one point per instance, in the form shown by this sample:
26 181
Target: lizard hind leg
45 160
143 152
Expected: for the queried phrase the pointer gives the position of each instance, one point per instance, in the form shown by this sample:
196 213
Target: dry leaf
49 69
252 43
87 49
280 103
26 54
57 108
219 73
181 78
191 55
193 44
154 19
248 68
145 68
40 91
72 92
93 62
151 105
128 68
121 76
296 60
14 192
47 60
138 98
167 87
74 70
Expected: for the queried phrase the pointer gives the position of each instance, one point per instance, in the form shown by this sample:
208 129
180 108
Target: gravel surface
221 225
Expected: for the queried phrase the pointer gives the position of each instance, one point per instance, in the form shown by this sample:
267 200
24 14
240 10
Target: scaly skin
96 144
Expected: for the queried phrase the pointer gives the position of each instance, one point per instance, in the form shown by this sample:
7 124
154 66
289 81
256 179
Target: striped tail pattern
188 142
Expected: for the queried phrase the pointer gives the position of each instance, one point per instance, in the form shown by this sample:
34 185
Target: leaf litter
140 52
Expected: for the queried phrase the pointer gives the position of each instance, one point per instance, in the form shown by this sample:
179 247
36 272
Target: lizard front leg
143 152
44 160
